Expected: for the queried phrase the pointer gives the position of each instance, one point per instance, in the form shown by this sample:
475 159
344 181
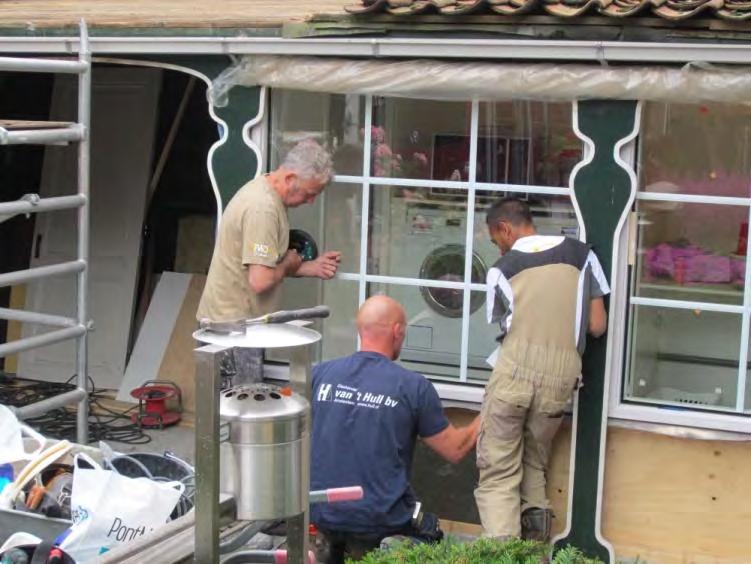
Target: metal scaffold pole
84 121
16 132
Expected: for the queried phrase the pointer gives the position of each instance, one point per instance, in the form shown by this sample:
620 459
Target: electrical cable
105 424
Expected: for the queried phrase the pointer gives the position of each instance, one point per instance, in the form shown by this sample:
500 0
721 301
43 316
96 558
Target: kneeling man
367 414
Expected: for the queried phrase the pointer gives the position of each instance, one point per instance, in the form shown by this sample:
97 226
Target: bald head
381 324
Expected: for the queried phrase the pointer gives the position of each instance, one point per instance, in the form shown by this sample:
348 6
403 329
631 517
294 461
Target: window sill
682 418
676 422
459 395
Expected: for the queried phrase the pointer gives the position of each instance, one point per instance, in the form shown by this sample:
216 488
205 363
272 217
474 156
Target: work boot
395 541
536 524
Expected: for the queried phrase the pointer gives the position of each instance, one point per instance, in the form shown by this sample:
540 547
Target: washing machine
428 241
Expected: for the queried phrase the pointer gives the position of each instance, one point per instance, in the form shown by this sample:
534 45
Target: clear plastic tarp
441 80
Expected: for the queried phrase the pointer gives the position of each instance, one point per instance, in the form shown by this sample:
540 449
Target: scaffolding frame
56 133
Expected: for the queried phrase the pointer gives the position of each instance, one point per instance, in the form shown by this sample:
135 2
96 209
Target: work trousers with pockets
522 410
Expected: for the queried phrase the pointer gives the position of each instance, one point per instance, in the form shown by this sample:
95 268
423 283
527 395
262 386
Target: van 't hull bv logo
324 392
353 396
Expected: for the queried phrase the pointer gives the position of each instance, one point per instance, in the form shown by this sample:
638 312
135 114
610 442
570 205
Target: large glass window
407 210
689 304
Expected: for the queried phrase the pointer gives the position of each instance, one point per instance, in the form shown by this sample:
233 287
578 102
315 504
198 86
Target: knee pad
536 524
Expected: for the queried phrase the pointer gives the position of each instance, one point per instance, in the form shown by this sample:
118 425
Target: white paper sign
493 358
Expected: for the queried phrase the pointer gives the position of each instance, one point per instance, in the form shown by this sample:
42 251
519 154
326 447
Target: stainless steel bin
262 456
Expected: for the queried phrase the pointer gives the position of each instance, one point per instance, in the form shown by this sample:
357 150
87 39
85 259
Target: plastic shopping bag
13 450
11 438
109 509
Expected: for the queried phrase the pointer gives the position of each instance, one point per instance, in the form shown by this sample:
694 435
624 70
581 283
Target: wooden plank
15 328
666 500
178 363
673 500
459 528
155 333
195 243
165 13
17 124
558 477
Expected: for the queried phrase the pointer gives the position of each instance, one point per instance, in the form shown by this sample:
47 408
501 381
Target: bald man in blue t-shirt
367 414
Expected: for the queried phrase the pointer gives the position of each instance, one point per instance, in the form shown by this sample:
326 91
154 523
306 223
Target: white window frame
460 390
664 412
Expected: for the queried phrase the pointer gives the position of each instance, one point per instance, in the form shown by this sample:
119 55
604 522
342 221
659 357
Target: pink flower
422 158
378 134
383 151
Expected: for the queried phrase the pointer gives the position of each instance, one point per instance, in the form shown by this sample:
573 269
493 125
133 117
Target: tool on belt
283 316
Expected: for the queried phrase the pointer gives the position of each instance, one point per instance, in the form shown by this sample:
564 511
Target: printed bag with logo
109 509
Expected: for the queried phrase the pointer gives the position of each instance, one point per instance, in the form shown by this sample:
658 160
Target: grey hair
310 161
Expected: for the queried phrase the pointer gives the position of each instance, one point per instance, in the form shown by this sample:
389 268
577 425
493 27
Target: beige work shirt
254 230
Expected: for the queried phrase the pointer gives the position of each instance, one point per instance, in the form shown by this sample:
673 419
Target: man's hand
454 443
324 267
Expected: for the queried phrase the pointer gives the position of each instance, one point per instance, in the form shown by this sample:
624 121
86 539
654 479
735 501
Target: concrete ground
179 439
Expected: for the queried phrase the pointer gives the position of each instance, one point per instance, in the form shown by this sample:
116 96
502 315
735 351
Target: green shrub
481 551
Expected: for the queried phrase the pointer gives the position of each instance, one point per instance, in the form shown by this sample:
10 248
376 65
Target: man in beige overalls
546 293
251 256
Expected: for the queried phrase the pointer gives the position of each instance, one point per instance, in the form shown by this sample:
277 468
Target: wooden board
666 500
15 328
178 363
460 528
558 477
154 336
195 243
15 124
672 500
165 13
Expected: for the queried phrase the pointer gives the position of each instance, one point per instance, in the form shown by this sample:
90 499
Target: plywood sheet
672 500
165 13
558 477
15 328
195 243
460 528
666 500
178 363
155 333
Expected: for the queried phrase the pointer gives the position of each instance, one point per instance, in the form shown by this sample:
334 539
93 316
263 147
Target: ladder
55 133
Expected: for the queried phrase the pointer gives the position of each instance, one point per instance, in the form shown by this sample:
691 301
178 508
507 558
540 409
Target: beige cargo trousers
521 413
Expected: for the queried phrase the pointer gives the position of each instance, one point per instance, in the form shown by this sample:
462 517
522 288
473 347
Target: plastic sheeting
440 80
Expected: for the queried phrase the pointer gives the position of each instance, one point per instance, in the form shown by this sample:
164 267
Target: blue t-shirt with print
367 414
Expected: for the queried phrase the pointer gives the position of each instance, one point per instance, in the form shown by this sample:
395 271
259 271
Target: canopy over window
487 81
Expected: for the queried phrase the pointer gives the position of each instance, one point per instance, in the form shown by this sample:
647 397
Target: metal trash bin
263 464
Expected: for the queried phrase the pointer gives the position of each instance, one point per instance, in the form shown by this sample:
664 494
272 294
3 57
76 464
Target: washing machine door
446 263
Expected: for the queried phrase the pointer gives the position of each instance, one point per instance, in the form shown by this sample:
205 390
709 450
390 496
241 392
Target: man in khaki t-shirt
251 257
254 231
